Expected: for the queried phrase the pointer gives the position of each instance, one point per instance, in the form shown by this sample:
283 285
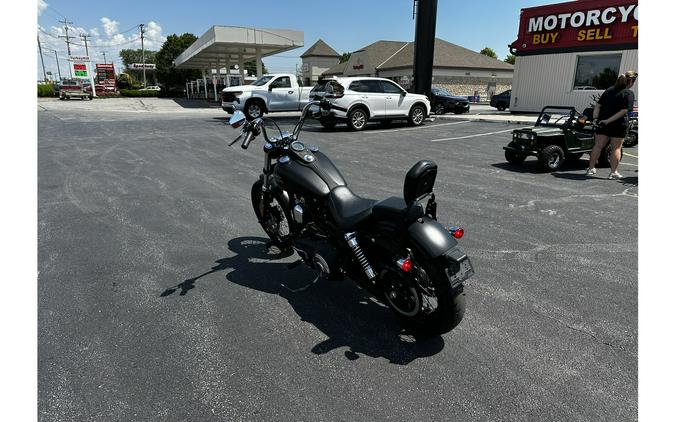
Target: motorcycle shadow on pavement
345 313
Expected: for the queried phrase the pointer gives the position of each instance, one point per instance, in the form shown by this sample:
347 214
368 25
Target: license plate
465 271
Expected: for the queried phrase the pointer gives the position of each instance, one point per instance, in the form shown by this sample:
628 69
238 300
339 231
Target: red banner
584 25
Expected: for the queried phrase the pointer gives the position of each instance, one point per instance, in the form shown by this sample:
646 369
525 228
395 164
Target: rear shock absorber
360 256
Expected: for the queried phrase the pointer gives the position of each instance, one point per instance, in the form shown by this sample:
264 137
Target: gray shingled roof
380 51
320 48
397 54
446 55
377 52
336 70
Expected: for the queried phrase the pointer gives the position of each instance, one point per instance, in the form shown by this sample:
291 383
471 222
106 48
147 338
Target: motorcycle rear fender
431 237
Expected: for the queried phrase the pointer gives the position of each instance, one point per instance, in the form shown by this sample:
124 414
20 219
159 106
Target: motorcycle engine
320 254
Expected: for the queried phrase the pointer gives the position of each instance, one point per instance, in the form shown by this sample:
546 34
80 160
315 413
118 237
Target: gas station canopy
225 45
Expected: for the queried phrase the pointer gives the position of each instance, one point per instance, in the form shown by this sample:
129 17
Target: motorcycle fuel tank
317 176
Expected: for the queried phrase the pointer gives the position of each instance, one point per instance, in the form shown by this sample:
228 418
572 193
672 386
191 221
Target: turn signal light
456 232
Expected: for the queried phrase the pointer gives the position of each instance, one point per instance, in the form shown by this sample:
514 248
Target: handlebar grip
247 140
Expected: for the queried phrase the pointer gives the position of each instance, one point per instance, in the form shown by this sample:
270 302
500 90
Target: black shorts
613 131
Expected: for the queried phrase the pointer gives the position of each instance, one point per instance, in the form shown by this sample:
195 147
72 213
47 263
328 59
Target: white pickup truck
270 93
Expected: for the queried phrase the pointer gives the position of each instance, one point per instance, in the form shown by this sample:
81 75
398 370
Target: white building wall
548 79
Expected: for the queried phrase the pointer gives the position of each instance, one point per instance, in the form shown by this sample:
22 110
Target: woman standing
611 115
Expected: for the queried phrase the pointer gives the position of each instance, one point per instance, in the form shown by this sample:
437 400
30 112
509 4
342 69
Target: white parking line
475 135
367 132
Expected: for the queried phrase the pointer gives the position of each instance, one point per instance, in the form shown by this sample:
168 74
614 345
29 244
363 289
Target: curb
490 119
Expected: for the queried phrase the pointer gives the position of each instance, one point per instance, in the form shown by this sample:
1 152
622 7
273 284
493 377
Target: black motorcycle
393 248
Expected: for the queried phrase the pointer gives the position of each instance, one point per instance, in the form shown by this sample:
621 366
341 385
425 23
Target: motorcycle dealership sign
578 26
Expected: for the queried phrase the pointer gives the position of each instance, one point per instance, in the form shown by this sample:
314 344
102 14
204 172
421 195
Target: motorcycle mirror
334 91
238 118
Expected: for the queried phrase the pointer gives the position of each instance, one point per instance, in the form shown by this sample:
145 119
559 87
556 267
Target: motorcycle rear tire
451 302
271 213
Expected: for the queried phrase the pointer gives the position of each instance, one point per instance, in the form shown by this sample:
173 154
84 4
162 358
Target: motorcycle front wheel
273 214
423 298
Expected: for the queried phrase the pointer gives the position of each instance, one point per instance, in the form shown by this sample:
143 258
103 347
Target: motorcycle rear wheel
273 215
423 298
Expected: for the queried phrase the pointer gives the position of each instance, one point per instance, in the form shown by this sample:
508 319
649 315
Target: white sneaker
615 176
590 172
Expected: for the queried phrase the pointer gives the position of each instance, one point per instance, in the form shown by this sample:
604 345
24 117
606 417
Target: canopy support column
258 64
241 70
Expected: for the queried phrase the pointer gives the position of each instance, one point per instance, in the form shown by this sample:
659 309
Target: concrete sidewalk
496 118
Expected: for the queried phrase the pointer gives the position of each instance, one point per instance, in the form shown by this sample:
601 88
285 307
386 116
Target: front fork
267 171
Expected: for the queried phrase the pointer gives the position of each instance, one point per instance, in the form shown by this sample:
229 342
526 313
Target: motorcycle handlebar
253 128
247 140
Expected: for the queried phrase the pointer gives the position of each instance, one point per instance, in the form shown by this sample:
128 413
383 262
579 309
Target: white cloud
42 5
109 26
153 36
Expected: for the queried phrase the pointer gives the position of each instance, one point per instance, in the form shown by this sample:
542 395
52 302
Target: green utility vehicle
560 134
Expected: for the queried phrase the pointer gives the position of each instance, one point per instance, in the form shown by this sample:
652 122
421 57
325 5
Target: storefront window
597 72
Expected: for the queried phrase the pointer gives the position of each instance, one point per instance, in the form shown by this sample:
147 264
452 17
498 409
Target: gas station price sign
80 70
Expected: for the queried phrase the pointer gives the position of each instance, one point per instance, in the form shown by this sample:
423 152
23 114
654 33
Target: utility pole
86 46
65 23
425 38
44 71
57 63
143 54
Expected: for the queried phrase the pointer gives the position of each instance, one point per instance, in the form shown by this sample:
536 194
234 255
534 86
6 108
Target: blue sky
345 25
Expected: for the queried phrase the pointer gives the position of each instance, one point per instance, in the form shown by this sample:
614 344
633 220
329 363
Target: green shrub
46 90
137 93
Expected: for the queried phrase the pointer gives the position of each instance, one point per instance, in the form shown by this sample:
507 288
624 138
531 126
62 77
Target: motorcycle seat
396 209
347 208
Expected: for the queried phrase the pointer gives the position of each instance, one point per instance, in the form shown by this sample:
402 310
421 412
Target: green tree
124 81
344 57
510 59
487 51
252 68
166 71
129 56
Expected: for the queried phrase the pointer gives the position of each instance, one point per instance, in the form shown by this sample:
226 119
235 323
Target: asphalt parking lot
158 301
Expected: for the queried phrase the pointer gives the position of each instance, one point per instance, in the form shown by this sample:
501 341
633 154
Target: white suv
361 99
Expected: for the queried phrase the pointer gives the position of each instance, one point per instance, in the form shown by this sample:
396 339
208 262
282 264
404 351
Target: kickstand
303 288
